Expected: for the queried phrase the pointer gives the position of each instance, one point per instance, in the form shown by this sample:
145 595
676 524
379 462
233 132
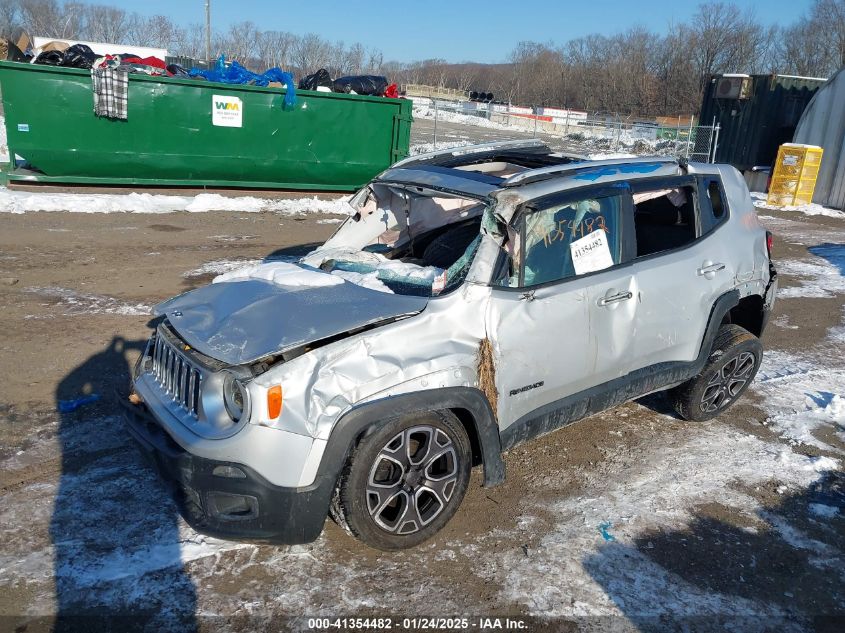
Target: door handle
709 270
619 296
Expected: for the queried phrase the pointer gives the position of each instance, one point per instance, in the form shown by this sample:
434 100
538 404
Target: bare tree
375 59
190 41
828 17
107 24
310 53
10 16
274 48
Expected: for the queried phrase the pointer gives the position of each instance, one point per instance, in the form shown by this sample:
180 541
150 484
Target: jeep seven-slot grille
177 377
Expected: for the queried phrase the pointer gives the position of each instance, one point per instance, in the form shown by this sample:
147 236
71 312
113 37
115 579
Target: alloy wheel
412 479
727 382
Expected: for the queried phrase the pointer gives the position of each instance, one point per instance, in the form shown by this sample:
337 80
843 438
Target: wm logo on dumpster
224 105
226 111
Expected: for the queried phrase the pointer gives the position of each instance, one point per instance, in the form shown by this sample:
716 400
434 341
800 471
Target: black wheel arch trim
721 307
366 417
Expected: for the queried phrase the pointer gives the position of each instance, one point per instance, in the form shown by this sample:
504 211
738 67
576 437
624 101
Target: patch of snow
22 202
365 280
393 269
237 238
806 209
74 303
92 557
802 399
427 148
386 269
220 266
821 276
783 321
429 113
4 143
824 511
283 274
608 155
575 572
331 221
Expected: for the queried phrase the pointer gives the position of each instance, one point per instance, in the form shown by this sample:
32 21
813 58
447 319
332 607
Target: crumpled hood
243 321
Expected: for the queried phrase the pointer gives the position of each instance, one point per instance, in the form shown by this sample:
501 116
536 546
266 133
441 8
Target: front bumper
226 499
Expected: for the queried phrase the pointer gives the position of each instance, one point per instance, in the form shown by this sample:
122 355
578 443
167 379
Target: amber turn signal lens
274 402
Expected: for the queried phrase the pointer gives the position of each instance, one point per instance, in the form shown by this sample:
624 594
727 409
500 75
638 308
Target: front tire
730 369
405 481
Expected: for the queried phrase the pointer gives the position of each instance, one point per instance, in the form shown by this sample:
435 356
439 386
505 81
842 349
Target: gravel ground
629 520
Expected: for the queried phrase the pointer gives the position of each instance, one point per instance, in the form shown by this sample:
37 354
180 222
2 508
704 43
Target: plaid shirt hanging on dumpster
111 91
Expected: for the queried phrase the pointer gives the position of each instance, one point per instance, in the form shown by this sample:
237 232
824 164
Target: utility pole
208 31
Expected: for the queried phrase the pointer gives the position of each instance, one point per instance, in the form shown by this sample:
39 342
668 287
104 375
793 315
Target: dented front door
542 346
563 325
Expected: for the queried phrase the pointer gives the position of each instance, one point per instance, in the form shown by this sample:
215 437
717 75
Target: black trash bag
362 84
176 70
11 52
50 58
79 56
314 81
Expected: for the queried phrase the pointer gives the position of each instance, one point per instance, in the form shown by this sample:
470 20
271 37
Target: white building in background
102 48
823 124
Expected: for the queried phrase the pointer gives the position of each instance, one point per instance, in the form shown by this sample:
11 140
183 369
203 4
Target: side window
571 238
714 206
664 217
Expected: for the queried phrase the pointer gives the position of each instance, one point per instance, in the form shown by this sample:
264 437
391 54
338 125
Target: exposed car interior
664 219
405 238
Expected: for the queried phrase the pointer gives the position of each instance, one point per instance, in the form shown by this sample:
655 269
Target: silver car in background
475 298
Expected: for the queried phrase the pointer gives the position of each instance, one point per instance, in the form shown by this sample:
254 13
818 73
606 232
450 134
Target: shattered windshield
404 240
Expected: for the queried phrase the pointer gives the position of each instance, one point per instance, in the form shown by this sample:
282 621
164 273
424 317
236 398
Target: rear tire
405 481
730 369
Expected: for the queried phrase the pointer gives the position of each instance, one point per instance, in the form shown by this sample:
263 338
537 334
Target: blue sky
456 30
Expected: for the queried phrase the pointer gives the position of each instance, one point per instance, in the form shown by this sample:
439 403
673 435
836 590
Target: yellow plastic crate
794 179
780 199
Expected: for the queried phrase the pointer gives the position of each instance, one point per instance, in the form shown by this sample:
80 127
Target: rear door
562 319
682 266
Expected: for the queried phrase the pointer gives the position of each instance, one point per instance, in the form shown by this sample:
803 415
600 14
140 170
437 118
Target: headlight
235 397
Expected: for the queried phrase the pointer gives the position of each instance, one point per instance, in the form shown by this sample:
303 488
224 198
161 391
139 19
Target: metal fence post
535 125
689 135
618 135
566 128
716 142
710 140
435 123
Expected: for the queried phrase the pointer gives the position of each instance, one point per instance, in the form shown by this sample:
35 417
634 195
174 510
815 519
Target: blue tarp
234 73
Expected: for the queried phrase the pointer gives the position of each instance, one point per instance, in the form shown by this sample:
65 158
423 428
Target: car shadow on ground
779 570
114 528
660 403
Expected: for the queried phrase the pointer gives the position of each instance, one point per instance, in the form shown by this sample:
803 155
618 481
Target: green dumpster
185 132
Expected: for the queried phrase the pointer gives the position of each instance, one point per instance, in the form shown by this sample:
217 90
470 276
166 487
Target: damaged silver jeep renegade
474 299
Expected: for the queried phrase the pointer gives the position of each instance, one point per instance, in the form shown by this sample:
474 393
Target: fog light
232 507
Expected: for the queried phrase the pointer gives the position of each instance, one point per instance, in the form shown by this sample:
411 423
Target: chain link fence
445 123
